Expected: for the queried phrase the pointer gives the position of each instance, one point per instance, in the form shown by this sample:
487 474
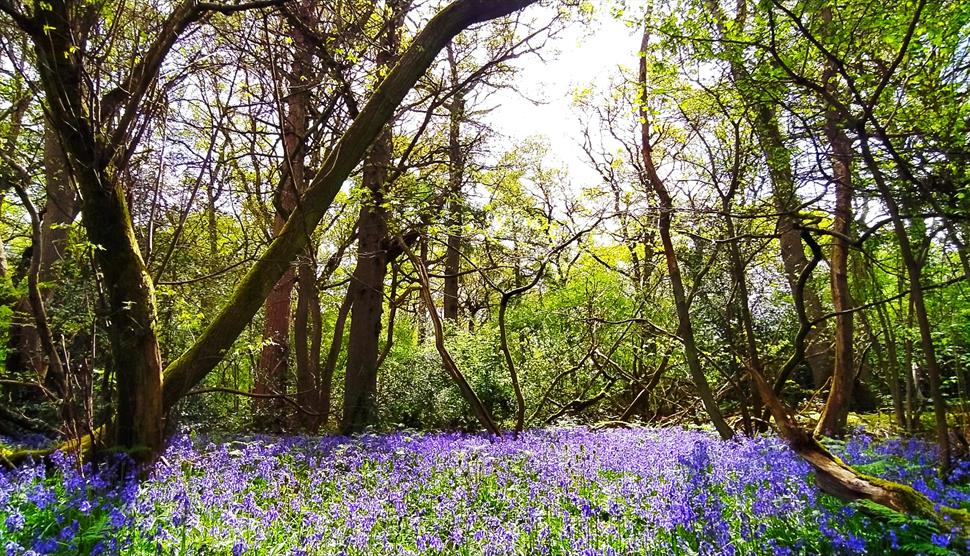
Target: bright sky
578 56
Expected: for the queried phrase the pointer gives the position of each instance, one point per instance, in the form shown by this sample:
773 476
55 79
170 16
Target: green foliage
912 535
416 392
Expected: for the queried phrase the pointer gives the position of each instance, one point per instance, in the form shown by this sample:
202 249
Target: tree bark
367 283
307 337
131 294
326 373
271 369
274 356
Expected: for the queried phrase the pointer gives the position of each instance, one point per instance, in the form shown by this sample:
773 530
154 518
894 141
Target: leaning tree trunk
685 330
832 475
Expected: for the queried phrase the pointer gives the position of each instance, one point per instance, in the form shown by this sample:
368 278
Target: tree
685 330
374 247
832 420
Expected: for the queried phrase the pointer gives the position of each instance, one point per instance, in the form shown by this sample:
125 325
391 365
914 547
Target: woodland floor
570 491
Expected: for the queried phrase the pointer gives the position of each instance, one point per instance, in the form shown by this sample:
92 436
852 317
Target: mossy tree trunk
131 294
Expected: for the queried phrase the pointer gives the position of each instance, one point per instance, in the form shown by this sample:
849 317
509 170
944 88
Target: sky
578 56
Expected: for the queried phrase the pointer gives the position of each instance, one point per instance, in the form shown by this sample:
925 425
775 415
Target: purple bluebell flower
15 521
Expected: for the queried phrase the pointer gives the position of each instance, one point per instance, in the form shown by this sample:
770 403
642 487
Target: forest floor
555 491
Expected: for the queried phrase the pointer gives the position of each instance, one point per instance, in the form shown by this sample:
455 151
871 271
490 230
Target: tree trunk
60 210
738 273
17 356
48 356
271 370
212 226
777 157
134 344
306 336
456 176
419 308
270 379
326 374
833 418
307 324
507 353
892 369
131 294
367 284
913 409
274 357
367 291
